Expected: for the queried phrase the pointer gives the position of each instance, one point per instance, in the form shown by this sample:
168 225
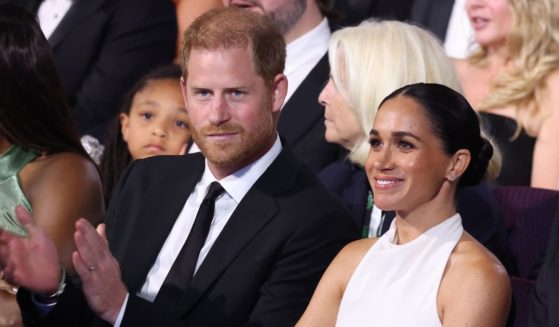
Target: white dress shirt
236 187
51 13
303 54
460 38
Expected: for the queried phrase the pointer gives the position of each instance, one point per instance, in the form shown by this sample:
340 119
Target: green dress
11 194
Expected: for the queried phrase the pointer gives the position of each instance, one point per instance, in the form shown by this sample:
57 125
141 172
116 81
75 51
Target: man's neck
311 18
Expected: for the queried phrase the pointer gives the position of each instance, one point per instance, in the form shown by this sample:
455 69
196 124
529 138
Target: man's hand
32 261
99 271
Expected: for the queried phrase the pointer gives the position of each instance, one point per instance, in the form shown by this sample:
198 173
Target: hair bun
478 167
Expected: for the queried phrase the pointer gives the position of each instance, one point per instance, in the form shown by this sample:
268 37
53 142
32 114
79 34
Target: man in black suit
102 47
306 32
274 231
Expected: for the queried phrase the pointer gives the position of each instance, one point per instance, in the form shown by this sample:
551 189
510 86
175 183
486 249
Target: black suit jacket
545 296
481 214
102 47
262 269
301 121
434 15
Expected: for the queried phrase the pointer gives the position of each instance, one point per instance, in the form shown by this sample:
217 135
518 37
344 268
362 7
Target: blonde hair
533 49
375 58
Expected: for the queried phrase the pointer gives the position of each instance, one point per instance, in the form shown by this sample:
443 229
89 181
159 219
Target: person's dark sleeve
141 36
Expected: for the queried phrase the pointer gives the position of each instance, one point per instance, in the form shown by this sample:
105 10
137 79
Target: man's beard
246 146
286 17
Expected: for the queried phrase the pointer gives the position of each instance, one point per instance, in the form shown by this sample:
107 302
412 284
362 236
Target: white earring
452 176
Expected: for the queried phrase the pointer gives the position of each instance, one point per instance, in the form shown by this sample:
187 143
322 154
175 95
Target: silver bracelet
61 286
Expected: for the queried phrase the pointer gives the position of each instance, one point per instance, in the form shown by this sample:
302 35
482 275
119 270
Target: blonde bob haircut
533 48
371 60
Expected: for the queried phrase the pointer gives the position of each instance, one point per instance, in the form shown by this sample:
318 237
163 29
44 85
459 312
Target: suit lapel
255 211
302 110
77 13
163 204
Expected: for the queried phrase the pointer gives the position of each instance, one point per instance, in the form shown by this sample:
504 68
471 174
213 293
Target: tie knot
214 191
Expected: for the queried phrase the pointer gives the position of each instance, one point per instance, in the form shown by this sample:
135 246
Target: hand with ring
99 271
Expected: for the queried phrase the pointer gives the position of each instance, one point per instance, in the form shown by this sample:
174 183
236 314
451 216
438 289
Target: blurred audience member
187 11
513 80
101 48
449 22
306 32
43 167
152 121
426 270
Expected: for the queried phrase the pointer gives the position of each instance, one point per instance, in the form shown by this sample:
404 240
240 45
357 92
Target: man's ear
124 125
279 91
458 164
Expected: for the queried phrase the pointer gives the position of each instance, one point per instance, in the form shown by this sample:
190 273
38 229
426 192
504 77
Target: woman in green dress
43 167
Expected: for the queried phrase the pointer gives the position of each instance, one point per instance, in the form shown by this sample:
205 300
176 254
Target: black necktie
181 272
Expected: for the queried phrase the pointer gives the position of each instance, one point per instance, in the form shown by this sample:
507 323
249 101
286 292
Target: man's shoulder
160 168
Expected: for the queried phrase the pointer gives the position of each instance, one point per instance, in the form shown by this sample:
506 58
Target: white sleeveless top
397 285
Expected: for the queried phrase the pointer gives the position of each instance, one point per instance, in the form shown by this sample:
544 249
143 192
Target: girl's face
406 166
491 20
157 123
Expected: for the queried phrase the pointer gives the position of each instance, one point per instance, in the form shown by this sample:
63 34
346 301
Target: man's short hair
237 28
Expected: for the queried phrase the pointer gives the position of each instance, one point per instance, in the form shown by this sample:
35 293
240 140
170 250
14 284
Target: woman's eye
147 115
405 145
375 143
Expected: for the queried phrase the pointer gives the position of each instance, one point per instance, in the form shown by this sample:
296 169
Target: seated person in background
513 80
43 167
152 121
368 62
187 11
425 271
305 29
101 47
545 296
275 229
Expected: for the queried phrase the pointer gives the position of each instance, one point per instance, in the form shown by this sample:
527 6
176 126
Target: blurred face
342 125
406 166
491 20
284 14
157 122
232 111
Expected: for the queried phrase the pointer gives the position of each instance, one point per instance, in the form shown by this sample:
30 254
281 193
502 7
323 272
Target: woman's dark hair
454 122
117 156
33 110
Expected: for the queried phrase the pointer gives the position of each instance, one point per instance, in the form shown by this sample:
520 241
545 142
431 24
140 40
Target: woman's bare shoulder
474 281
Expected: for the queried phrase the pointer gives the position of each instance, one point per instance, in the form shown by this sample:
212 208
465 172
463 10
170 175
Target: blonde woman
513 80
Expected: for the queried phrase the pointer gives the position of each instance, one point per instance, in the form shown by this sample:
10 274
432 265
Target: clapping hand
32 261
99 271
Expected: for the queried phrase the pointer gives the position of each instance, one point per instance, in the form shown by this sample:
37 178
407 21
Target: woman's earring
452 176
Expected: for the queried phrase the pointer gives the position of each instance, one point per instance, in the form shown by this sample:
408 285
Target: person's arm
325 302
61 189
545 165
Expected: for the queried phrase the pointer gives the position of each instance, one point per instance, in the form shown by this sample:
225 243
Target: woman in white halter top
425 271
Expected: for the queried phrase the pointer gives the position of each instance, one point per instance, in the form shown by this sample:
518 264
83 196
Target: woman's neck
411 224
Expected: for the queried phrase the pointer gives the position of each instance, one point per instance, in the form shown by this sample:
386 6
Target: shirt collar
239 183
307 46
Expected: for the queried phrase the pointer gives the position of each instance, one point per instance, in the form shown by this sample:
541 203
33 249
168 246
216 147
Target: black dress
517 153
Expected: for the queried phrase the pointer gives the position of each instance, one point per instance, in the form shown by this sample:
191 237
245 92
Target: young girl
152 122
